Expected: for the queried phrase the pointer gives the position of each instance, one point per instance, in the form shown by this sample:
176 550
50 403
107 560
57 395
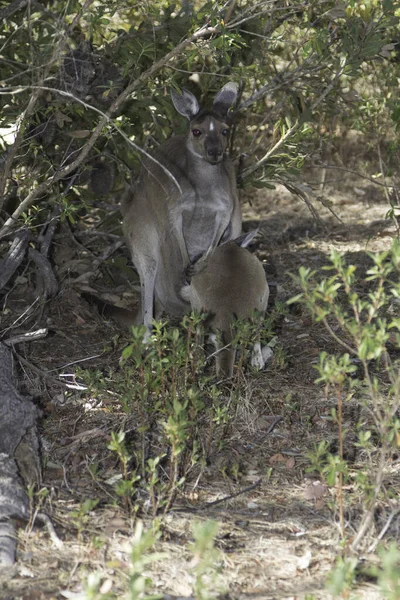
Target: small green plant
341 580
205 560
247 332
80 516
166 384
138 583
342 577
366 324
142 542
281 358
36 502
125 487
389 572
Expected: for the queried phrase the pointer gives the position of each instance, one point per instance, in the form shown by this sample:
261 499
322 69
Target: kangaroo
230 283
184 202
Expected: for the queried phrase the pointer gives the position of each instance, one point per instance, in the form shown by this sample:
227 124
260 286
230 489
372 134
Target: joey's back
232 283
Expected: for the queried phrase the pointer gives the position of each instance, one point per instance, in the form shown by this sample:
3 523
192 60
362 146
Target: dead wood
19 453
14 504
46 235
14 256
47 285
46 282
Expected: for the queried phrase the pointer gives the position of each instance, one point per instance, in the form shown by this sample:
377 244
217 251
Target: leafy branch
131 87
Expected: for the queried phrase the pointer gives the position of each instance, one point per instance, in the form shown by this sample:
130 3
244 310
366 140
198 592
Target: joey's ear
200 262
246 238
186 104
225 98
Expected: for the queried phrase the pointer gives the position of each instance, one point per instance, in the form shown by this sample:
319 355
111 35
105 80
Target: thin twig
384 529
294 127
340 435
96 263
236 494
45 520
75 362
361 175
27 313
36 369
221 500
339 341
26 337
271 151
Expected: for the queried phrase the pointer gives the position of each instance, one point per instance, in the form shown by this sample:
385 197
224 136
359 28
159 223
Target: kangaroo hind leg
147 269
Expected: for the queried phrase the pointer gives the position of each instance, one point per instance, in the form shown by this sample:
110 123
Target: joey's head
209 129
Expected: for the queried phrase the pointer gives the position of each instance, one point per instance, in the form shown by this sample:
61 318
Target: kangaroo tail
124 316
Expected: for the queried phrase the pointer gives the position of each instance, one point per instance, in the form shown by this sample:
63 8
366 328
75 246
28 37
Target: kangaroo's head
209 129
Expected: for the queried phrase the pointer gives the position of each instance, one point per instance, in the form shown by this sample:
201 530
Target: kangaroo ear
225 98
244 240
186 104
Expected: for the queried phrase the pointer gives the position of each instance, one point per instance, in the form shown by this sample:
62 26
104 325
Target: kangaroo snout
215 154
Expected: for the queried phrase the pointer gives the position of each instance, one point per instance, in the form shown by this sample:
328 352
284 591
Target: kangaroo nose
214 152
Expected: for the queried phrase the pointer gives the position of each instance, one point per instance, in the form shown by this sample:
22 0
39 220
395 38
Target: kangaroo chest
206 213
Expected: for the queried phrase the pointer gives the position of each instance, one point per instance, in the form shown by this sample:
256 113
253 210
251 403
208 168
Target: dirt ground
275 540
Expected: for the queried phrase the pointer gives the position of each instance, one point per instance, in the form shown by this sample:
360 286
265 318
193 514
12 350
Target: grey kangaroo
230 282
184 203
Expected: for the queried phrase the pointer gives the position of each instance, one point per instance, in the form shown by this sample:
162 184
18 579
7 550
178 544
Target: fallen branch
26 337
235 495
19 446
14 256
207 505
46 282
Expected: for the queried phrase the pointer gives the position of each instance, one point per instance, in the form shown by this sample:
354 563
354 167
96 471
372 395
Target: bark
19 453
14 256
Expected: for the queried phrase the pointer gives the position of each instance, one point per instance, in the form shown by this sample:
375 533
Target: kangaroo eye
225 132
196 132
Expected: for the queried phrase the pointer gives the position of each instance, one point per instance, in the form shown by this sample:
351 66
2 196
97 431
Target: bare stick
360 175
239 493
26 337
337 338
36 369
96 263
384 529
45 520
47 238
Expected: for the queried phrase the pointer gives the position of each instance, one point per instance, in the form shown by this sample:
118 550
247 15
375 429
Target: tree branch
294 128
12 8
12 151
45 185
